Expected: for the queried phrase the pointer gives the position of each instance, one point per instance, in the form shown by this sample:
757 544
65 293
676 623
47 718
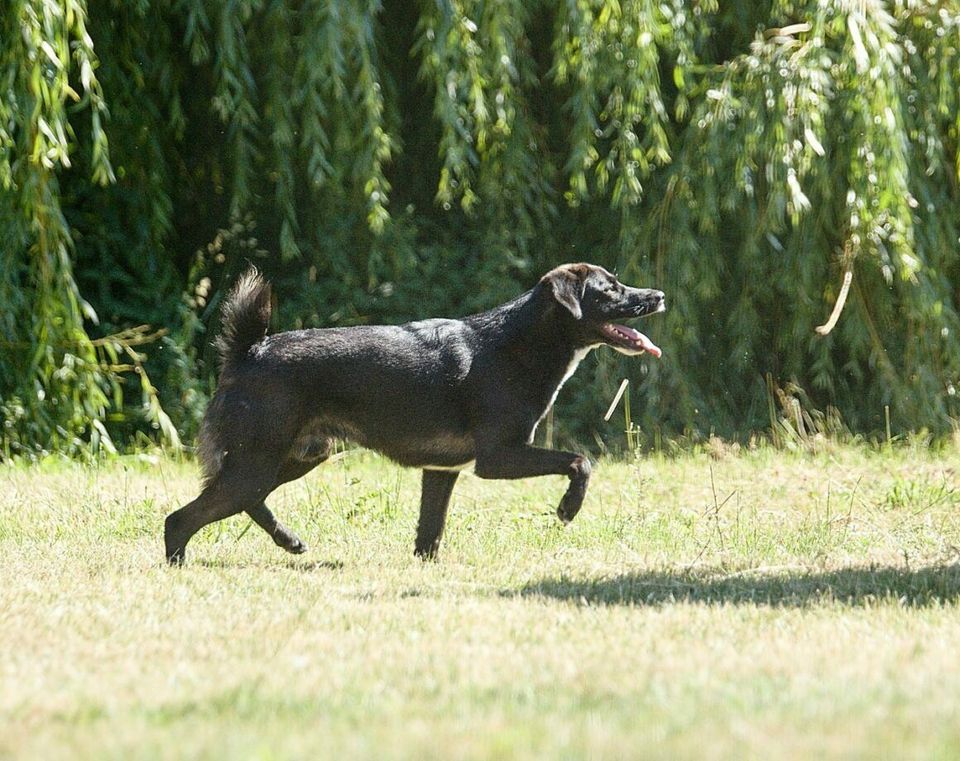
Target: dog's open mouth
628 340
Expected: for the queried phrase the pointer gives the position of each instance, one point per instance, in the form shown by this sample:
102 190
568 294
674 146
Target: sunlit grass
749 604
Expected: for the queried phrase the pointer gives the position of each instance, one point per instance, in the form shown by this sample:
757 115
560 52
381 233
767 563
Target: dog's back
393 388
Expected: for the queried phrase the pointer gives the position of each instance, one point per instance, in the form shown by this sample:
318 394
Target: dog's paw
286 540
428 553
297 549
569 506
572 499
293 544
176 558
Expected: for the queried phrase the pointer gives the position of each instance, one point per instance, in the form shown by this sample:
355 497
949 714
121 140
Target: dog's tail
244 318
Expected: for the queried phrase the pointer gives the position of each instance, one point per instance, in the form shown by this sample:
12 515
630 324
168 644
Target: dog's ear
567 288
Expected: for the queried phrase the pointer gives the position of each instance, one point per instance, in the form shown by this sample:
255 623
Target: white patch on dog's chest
578 356
574 363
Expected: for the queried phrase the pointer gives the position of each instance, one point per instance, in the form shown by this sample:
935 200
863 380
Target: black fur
245 316
436 394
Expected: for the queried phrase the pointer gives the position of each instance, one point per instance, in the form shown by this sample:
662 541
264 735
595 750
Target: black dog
438 395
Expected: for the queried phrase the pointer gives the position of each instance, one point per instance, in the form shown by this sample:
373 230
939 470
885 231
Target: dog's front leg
526 461
437 488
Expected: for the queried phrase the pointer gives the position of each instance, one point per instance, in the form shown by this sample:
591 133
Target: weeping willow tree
774 167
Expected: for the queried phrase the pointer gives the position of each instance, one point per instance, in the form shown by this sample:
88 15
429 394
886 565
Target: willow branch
838 307
830 324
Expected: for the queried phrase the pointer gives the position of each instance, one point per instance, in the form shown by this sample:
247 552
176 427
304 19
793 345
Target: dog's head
591 301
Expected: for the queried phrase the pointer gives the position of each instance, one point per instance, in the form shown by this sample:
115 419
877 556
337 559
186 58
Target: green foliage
57 384
390 160
838 135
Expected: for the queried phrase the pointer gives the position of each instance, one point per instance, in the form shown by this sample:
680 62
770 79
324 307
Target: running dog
440 395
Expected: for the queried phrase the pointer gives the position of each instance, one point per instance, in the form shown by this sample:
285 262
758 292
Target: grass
754 604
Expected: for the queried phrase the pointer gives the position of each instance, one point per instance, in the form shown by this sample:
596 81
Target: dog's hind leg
239 486
281 535
434 499
292 469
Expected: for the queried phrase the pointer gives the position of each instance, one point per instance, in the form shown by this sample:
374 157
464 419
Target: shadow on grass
929 586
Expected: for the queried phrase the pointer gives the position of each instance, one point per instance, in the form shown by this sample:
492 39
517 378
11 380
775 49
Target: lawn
721 604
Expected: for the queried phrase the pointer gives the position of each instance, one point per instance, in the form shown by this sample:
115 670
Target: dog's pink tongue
642 341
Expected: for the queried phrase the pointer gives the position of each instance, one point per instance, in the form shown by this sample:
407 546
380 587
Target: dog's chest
570 369
572 366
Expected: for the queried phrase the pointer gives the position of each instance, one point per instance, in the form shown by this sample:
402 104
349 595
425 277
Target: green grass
754 604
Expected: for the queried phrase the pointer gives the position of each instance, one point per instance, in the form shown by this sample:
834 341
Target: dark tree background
382 161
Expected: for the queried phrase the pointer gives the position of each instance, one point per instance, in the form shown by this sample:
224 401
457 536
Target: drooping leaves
386 160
